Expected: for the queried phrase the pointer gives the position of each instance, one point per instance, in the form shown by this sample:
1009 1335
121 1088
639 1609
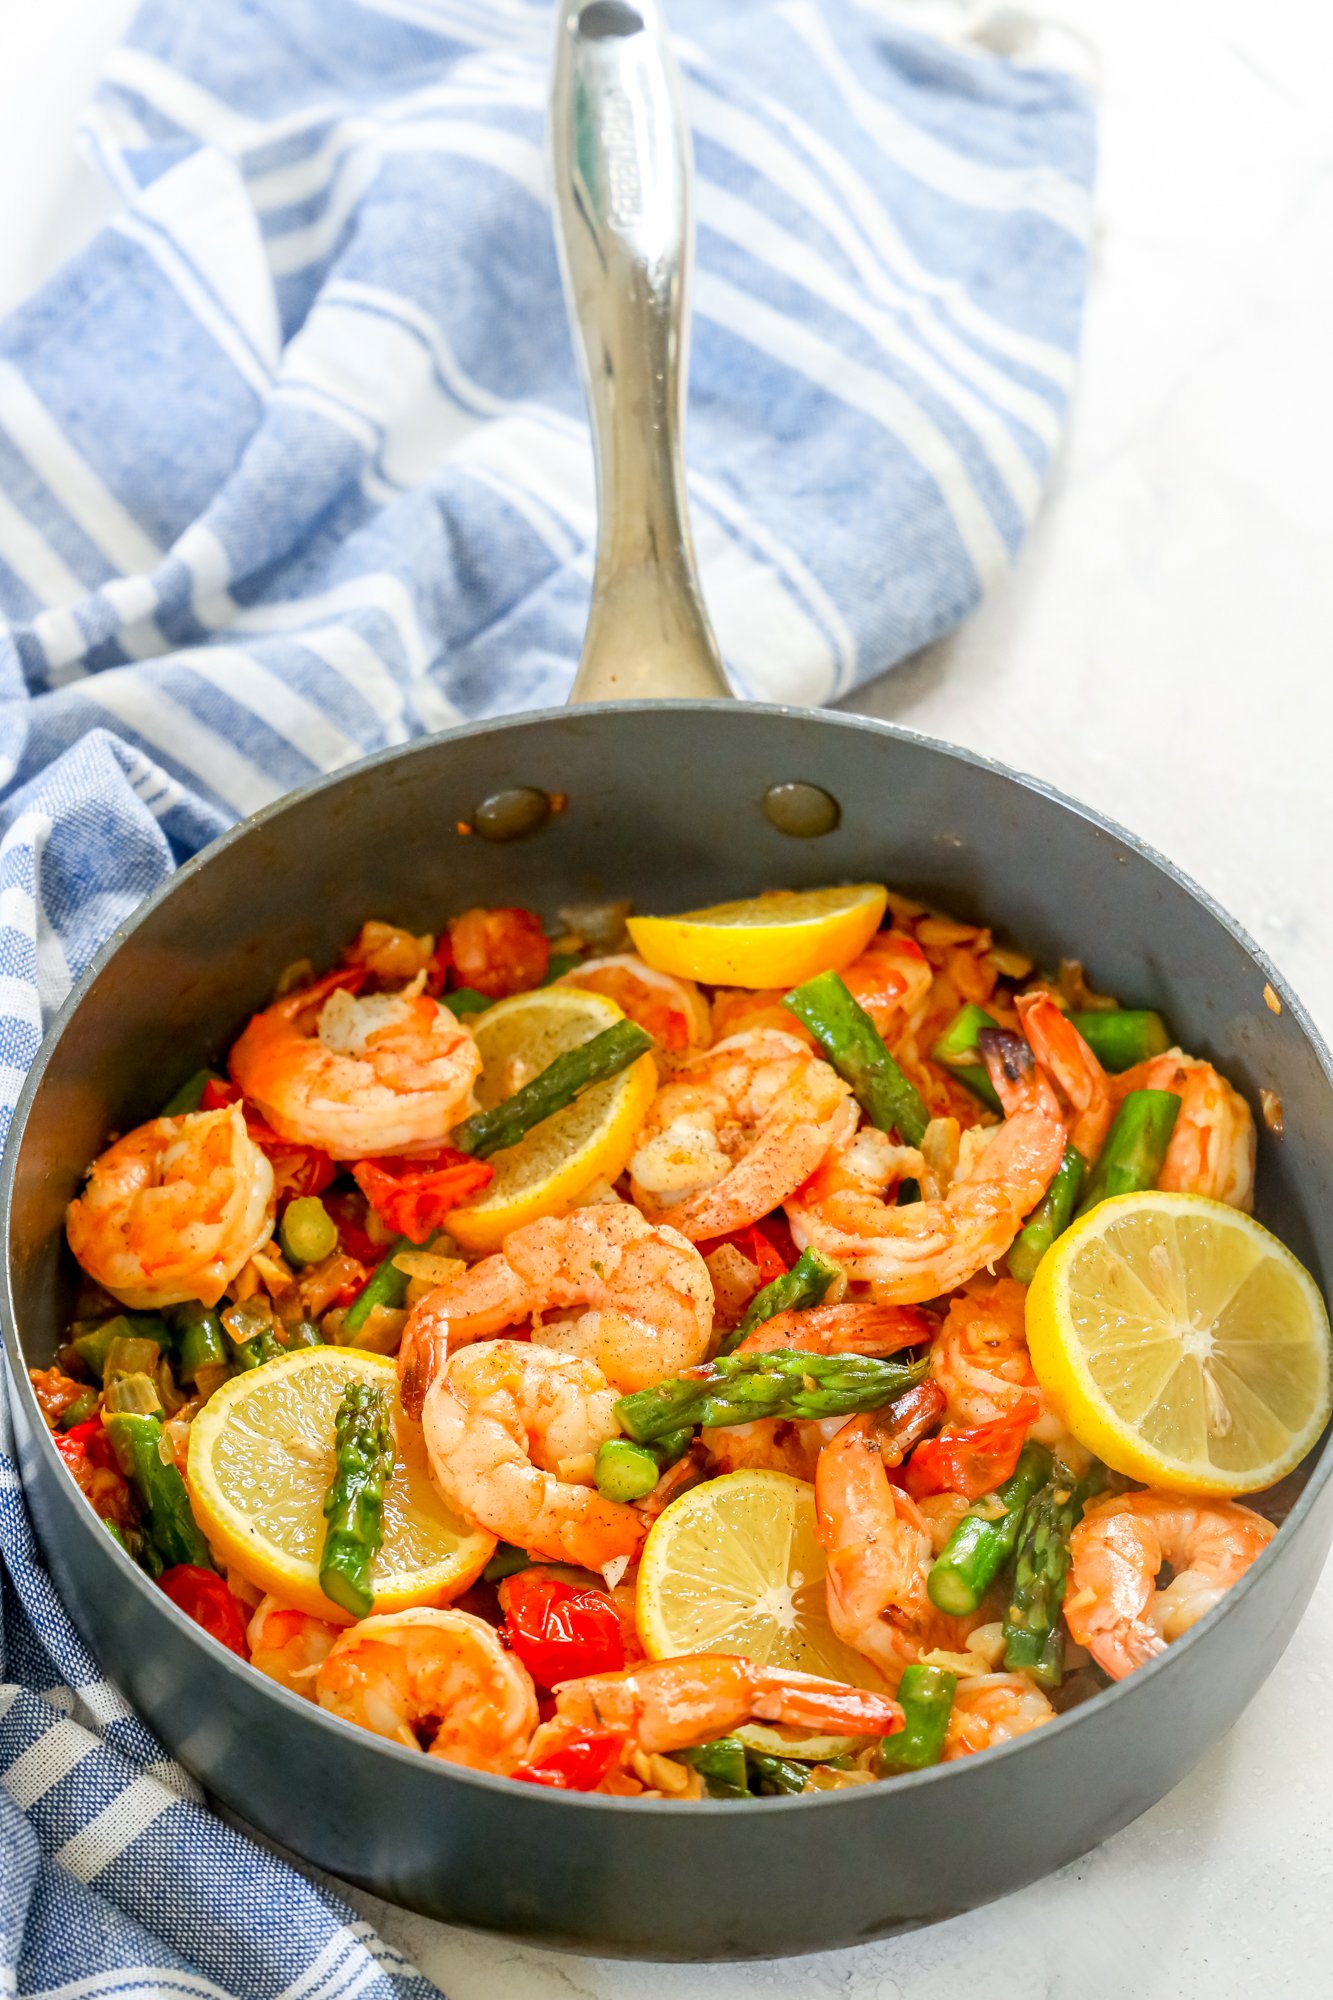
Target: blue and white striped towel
293 465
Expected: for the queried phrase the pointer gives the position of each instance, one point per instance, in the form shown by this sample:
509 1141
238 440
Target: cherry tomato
577 1765
972 1462
202 1595
498 952
412 1197
558 1631
87 1440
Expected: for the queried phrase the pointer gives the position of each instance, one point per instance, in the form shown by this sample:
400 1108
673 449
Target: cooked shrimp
174 1209
736 1010
647 1291
384 1073
665 1705
878 1549
736 1130
854 1327
778 1444
498 1420
1211 1150
1071 1065
989 1709
770 1444
390 955
289 1646
926 1248
672 1010
980 1359
891 980
1112 1603
437 1680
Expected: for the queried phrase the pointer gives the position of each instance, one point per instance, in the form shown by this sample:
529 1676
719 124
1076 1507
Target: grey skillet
672 802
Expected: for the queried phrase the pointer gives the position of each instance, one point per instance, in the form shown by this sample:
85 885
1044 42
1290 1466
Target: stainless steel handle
620 156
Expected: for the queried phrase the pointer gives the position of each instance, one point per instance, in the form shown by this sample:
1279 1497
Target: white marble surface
1163 651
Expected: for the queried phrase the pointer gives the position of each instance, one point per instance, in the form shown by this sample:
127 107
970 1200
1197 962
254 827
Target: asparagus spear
1035 1642
628 1471
925 1695
776 1774
984 1539
558 1085
200 1339
1135 1147
854 1046
187 1098
93 1347
957 1046
1049 1219
85 1405
798 1289
354 1504
1124 1036
386 1286
466 1000
158 1488
721 1765
507 1561
738 1388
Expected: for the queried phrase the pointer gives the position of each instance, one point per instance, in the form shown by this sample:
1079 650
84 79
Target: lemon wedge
556 1163
261 1459
777 939
735 1566
1182 1343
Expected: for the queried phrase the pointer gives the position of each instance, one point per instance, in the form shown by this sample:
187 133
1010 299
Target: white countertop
1164 651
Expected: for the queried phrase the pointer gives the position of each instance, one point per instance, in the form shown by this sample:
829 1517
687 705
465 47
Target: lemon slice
591 1140
735 1566
261 1459
1182 1343
773 940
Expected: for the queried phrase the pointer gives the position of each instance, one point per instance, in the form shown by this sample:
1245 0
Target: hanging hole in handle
601 19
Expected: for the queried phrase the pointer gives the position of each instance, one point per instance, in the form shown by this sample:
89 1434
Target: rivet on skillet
803 811
513 814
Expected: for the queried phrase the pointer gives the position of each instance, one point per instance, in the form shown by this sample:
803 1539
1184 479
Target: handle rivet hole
801 810
513 814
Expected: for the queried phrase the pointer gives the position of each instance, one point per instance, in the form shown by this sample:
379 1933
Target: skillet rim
1173 1659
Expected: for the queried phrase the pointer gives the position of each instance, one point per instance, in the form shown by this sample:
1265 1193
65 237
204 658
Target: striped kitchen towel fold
293 465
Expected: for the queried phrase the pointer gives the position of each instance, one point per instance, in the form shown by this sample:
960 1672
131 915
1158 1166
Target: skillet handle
620 157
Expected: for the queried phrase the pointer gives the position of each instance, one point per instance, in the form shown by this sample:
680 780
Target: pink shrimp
981 1363
780 1444
646 1290
657 1706
1211 1150
891 980
1070 1063
990 1709
1113 1605
174 1210
878 1550
927 1248
385 1073
736 1130
504 1421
